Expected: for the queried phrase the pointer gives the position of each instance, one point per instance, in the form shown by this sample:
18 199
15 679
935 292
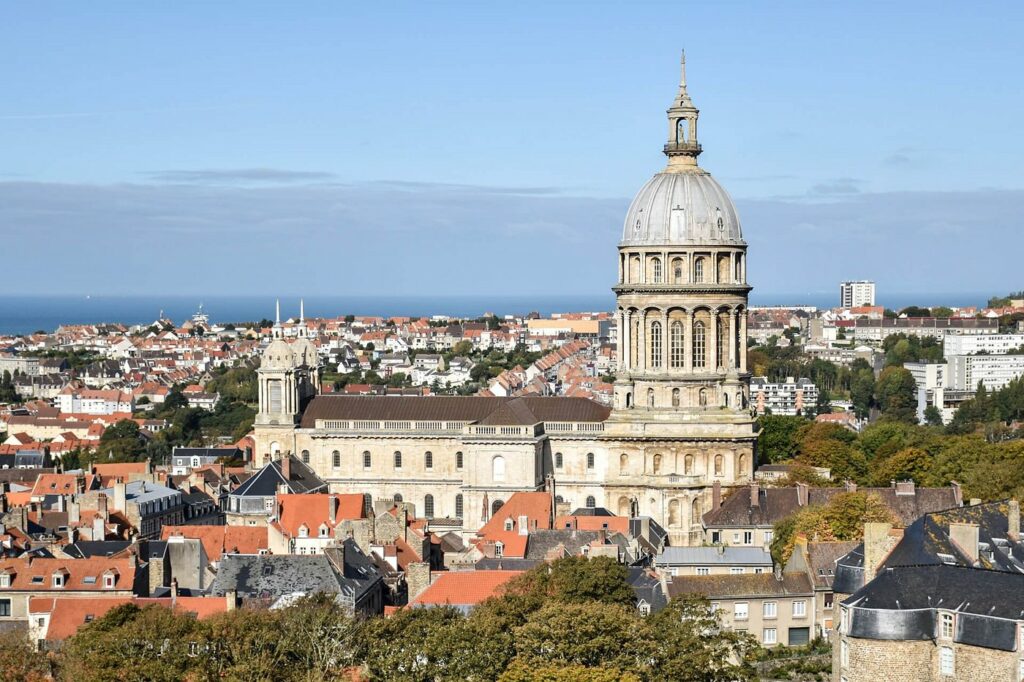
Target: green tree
122 442
932 416
778 439
691 645
896 392
19 660
842 518
862 392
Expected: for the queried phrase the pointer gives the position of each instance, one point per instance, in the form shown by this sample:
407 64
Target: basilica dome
682 208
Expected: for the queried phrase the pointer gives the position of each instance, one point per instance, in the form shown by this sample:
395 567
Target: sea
26 314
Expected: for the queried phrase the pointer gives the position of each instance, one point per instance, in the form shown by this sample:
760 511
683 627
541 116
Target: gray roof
343 570
682 208
144 491
712 556
264 482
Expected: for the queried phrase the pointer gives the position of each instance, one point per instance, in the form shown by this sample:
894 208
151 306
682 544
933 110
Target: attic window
89 580
37 580
108 581
89 618
268 569
58 580
508 524
5 579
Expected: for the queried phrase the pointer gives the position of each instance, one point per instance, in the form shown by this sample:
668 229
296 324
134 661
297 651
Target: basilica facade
680 422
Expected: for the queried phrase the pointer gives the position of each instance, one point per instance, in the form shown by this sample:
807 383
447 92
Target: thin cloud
836 186
237 175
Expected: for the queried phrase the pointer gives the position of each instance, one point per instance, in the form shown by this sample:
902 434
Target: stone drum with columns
681 421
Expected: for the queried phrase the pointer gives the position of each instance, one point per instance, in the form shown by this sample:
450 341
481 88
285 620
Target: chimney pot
965 537
755 495
716 495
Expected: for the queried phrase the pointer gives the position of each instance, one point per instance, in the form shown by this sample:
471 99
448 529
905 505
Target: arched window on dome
676 351
700 350
719 220
677 271
698 270
656 270
682 130
655 345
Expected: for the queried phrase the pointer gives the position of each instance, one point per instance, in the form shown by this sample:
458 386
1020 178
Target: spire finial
302 310
277 317
682 69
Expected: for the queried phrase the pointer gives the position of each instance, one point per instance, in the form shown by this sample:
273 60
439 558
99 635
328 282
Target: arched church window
675 397
496 506
698 270
397 498
458 506
650 397
591 501
336 459
695 511
458 459
398 459
676 350
590 460
498 468
428 506
428 459
305 456
743 465
700 350
558 457
623 509
655 345
719 462
367 459
673 514
656 270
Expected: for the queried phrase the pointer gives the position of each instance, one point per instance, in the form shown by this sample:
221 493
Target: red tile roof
314 510
463 588
220 540
76 571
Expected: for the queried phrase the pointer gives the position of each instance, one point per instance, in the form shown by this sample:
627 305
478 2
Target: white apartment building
792 397
971 344
93 401
856 293
994 371
930 378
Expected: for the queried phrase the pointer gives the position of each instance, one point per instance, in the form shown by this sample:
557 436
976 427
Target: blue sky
398 148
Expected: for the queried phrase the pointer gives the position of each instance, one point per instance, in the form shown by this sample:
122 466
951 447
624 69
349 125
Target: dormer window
499 549
509 524
59 579
109 580
5 579
303 531
323 530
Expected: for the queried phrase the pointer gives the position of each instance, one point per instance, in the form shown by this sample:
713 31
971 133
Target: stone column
713 341
625 340
732 267
641 339
732 339
743 340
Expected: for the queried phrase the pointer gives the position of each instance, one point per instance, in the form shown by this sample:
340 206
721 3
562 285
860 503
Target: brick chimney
755 495
74 513
1013 519
101 504
716 495
332 509
877 545
965 537
905 487
801 494
231 598
286 468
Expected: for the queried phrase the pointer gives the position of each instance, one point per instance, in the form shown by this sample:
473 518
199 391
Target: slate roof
90 548
902 603
647 588
348 572
823 557
774 504
264 482
544 541
477 409
746 585
714 556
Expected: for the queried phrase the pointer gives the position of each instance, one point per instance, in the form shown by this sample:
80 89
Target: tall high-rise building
856 293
